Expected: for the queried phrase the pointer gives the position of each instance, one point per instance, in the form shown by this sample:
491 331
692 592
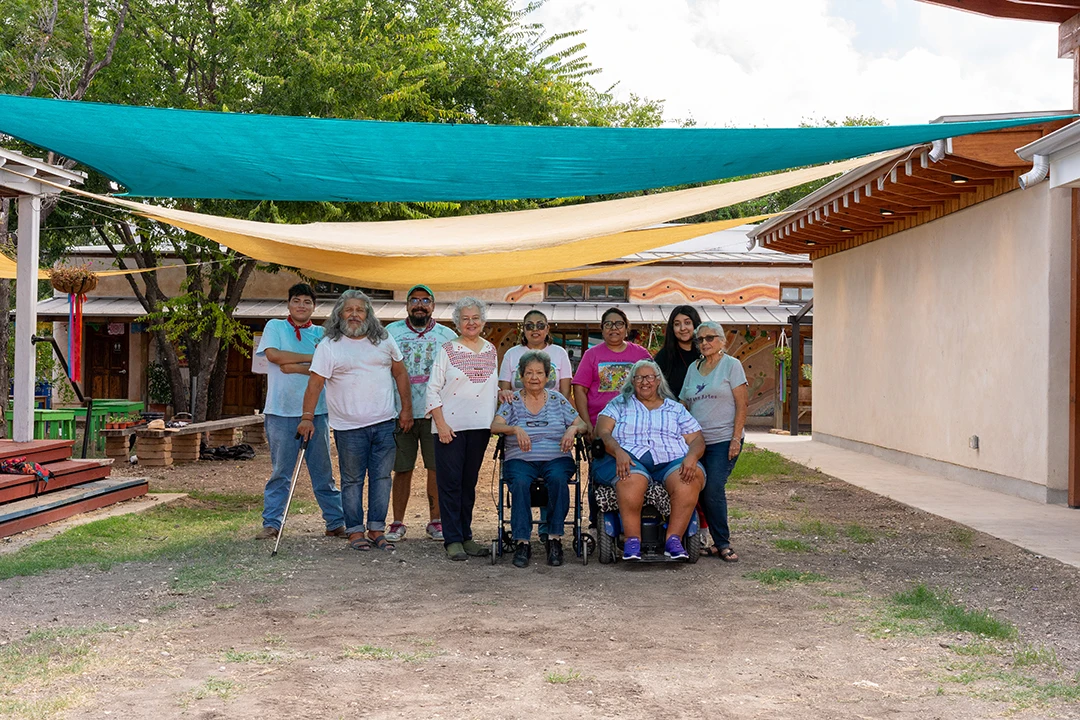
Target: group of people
415 385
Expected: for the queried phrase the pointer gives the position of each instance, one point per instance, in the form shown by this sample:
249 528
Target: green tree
478 61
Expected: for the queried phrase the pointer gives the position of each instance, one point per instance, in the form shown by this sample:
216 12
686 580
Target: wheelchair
654 514
584 545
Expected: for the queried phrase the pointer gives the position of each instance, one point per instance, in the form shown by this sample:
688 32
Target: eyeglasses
705 339
614 325
419 301
646 378
529 327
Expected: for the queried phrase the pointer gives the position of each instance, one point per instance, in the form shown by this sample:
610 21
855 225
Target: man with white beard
359 365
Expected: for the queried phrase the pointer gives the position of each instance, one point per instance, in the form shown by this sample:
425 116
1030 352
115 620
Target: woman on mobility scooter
650 438
540 426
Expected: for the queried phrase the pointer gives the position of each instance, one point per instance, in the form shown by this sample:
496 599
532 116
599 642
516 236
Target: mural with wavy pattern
670 286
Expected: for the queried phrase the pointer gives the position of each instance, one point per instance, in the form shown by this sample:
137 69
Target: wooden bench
159 448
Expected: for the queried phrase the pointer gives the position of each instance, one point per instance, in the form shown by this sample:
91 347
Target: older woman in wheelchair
652 443
540 426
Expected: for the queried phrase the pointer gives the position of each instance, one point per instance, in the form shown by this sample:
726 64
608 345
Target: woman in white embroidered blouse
461 400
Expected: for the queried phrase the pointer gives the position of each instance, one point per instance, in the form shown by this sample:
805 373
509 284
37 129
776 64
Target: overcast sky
778 62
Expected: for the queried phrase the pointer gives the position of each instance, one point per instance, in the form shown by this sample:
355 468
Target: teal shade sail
156 152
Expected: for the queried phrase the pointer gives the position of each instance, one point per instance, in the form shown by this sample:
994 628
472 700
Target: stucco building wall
956 328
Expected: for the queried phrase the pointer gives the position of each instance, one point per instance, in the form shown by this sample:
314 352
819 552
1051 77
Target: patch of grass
859 534
317 612
373 652
962 535
792 546
274 639
942 613
760 464
977 649
216 688
1022 691
45 655
737 514
796 497
33 709
1030 655
197 532
562 677
260 657
817 528
781 576
225 606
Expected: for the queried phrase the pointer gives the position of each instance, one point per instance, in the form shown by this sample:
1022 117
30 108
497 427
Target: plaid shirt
639 430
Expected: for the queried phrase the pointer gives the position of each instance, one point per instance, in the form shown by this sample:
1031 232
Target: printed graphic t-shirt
419 350
711 400
602 373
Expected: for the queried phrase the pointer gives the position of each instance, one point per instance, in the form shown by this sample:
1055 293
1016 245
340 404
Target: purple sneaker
673 549
631 549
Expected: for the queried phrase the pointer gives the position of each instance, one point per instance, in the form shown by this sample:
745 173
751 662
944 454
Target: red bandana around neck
421 333
298 328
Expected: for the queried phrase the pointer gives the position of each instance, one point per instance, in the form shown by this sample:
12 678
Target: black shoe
522 554
554 549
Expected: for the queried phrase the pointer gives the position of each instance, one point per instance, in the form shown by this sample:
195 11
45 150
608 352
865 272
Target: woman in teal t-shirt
716 394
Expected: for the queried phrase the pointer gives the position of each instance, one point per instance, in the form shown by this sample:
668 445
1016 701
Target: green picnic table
49 424
102 410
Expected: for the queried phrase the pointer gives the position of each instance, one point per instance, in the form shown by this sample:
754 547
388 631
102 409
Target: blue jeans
519 475
367 451
284 449
714 496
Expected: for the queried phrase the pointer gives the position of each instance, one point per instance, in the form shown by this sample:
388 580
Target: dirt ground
322 631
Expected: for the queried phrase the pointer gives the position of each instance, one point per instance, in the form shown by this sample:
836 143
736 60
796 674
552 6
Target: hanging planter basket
73 280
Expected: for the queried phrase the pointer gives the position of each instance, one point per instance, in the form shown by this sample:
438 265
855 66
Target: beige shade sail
481 250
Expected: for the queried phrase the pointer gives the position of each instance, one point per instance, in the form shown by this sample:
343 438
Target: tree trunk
217 383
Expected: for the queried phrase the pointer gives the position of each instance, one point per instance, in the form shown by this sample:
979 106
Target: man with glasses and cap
419 338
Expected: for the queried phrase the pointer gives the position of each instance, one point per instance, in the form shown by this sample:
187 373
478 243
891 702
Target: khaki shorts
407 442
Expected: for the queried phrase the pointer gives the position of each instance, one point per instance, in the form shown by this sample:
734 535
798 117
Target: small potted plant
158 389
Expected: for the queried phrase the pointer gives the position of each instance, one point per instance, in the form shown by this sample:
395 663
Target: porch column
25 371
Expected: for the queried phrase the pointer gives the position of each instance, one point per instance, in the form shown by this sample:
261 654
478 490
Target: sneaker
267 533
434 530
476 549
673 548
396 532
455 551
555 554
521 555
631 549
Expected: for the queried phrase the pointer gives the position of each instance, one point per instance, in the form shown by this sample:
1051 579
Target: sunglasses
705 339
529 327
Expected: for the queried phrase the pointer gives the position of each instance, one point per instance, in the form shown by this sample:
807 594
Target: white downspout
1038 172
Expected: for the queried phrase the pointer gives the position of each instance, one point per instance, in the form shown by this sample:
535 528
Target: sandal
382 543
711 551
359 542
728 555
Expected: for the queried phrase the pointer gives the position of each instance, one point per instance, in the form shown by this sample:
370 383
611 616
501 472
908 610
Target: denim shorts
656 472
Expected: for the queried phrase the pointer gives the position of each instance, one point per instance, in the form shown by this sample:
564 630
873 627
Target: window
331 291
796 293
590 291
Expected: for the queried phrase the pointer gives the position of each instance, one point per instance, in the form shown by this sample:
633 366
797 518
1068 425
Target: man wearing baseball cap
419 338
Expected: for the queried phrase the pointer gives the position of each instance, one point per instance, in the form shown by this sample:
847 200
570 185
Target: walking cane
292 487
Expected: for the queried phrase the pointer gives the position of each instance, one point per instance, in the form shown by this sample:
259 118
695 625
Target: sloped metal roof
569 312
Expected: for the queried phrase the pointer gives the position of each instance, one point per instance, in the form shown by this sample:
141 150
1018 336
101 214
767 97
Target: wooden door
107 360
243 388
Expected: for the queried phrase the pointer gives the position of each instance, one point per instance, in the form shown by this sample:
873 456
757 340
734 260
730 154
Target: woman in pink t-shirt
605 368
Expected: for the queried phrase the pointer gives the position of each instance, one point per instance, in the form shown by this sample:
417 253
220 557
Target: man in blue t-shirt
288 346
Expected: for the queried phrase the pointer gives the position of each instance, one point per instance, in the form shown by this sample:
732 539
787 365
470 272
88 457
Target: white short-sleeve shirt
359 384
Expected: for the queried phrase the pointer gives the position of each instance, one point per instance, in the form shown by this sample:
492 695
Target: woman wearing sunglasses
716 393
535 338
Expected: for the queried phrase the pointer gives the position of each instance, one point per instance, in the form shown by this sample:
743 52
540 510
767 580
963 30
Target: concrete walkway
1049 530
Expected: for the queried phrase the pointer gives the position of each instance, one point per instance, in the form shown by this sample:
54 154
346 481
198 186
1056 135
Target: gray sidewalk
1050 530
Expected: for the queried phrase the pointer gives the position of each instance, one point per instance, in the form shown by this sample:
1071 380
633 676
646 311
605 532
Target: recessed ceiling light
959 179
885 212
811 242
